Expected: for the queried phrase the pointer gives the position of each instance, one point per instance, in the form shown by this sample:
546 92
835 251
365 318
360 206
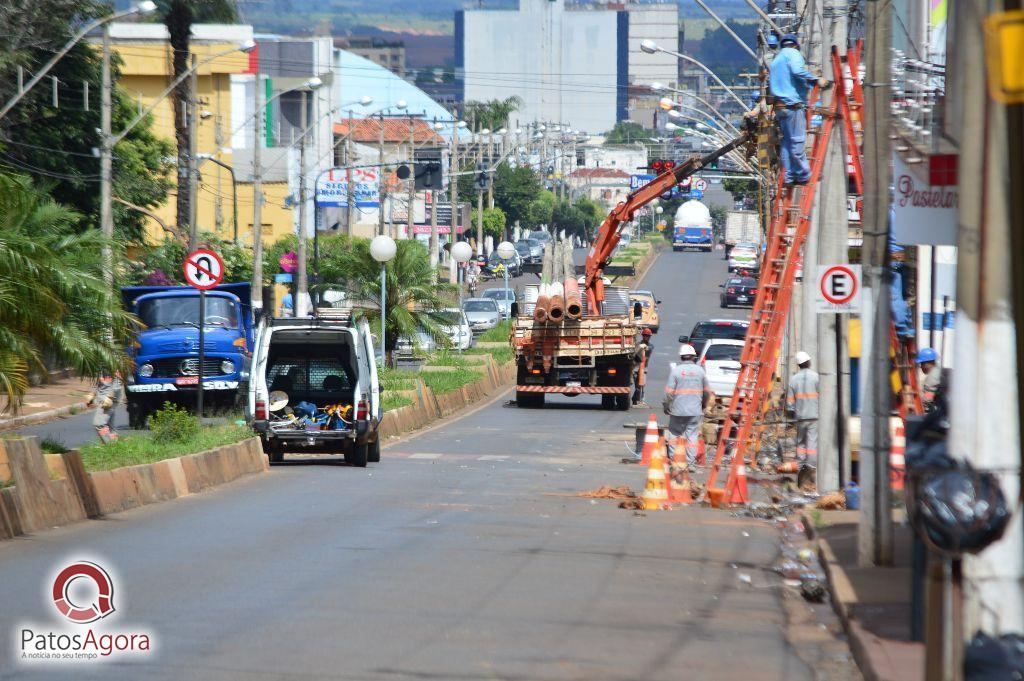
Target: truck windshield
184 311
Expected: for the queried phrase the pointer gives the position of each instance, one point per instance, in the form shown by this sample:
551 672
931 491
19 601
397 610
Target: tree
414 301
161 264
178 16
514 189
592 211
628 132
55 144
492 114
54 302
744 190
540 209
494 221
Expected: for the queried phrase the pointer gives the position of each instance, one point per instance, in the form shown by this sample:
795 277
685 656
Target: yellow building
146 71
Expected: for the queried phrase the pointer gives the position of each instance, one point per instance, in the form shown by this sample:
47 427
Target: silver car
504 297
482 313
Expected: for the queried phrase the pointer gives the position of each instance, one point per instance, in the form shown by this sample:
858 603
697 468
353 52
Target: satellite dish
278 400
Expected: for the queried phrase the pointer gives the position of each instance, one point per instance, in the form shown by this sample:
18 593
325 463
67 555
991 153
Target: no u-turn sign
838 289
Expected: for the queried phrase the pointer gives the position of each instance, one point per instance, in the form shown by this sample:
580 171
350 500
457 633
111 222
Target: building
608 186
387 53
569 63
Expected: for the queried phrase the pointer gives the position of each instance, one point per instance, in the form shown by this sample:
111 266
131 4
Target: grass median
150 447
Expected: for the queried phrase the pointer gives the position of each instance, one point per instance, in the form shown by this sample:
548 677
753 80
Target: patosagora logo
83 613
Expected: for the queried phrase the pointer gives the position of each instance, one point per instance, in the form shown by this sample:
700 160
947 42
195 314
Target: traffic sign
203 269
838 288
696 194
700 184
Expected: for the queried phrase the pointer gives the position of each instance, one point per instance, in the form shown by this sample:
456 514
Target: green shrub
51 445
148 447
173 424
391 401
498 333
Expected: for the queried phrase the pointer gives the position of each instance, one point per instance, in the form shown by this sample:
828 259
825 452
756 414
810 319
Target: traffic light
427 169
660 165
481 180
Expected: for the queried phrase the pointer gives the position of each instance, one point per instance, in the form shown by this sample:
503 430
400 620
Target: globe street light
506 251
383 249
461 254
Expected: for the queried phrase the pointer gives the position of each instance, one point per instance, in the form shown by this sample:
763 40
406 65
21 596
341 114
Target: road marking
425 455
492 457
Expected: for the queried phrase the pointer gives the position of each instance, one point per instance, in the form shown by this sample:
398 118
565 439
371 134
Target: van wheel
358 455
374 454
275 452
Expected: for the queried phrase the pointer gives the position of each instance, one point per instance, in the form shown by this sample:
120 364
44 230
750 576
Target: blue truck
165 351
692 227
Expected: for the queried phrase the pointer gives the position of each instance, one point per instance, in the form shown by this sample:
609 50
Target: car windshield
533 243
644 303
184 311
448 317
716 330
498 293
723 352
480 306
523 249
540 236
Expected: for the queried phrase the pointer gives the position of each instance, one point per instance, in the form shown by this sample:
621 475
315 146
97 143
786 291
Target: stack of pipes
573 300
558 296
540 311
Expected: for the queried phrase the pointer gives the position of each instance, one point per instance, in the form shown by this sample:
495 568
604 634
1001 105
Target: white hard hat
802 357
686 350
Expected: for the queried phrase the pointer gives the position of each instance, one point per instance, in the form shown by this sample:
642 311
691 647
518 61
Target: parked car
482 313
733 329
541 235
536 249
649 318
739 291
504 297
316 363
744 256
721 361
456 327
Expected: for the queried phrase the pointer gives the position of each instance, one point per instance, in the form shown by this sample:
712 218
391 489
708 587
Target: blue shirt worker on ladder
687 394
789 81
802 400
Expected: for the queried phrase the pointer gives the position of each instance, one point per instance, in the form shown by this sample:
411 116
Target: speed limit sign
838 288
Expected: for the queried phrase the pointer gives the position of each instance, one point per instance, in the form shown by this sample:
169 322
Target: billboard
332 188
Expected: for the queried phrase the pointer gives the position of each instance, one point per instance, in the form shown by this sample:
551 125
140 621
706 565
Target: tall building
387 53
570 63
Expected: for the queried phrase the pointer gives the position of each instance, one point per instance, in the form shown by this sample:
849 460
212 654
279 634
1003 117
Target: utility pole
382 182
435 254
350 190
875 535
301 282
412 178
106 163
453 183
257 196
193 167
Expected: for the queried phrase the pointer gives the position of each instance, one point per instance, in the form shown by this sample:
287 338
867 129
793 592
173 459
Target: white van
320 362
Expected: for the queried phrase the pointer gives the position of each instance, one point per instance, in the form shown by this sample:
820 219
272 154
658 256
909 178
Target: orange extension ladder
786 237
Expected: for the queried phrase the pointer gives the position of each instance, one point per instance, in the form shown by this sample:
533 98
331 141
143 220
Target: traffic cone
738 489
701 452
679 493
655 495
651 438
897 462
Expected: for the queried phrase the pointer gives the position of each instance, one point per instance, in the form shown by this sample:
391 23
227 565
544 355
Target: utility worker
687 395
788 83
106 395
928 362
802 400
640 359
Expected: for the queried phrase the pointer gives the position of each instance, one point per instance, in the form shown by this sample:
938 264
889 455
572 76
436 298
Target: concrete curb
54 489
41 416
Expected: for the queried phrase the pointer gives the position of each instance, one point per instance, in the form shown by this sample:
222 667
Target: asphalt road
463 555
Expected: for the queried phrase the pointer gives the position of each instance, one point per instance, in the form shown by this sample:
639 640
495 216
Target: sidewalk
872 602
48 401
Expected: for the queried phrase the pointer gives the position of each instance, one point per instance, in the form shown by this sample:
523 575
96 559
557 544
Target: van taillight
362 410
260 412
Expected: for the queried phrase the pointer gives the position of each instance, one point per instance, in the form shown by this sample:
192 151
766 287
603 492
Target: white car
456 326
744 256
721 361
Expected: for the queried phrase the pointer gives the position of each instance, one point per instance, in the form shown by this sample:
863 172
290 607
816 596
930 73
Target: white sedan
721 361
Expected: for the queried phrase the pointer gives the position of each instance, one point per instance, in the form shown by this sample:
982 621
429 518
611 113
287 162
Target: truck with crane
575 342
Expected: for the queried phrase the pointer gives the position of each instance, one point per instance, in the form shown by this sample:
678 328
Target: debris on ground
831 502
633 504
602 492
812 590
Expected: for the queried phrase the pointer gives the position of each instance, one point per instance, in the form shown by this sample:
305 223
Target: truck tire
358 455
608 402
138 414
621 402
374 454
529 400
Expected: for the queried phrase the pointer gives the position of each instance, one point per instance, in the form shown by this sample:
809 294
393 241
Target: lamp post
461 254
383 249
142 8
301 281
506 251
234 189
670 107
651 47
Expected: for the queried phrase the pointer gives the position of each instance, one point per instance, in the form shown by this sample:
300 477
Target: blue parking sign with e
696 194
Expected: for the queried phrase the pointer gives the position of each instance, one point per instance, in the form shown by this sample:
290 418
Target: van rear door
368 368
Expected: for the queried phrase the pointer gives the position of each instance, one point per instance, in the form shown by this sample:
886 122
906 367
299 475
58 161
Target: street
462 555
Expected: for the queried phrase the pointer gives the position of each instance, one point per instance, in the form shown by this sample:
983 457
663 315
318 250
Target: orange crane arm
610 231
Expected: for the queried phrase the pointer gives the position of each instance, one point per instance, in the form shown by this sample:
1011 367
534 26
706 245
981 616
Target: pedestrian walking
789 80
687 394
928 362
106 395
802 401
641 357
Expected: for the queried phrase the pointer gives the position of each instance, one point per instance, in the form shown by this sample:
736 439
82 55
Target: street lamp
461 254
651 47
234 188
142 8
383 249
669 106
506 251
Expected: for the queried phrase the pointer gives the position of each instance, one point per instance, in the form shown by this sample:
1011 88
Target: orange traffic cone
650 440
655 495
738 489
897 463
701 452
679 492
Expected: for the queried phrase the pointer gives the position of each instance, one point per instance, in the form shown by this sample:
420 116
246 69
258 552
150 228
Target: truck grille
185 366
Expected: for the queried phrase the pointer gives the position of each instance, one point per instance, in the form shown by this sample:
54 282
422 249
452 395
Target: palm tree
493 114
54 303
414 301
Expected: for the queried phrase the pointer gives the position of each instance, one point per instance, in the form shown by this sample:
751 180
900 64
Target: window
184 311
723 352
481 306
302 368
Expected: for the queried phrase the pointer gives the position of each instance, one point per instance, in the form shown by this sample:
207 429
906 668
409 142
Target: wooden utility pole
875 538
257 195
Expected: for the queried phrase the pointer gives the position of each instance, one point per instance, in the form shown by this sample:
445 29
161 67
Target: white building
570 64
